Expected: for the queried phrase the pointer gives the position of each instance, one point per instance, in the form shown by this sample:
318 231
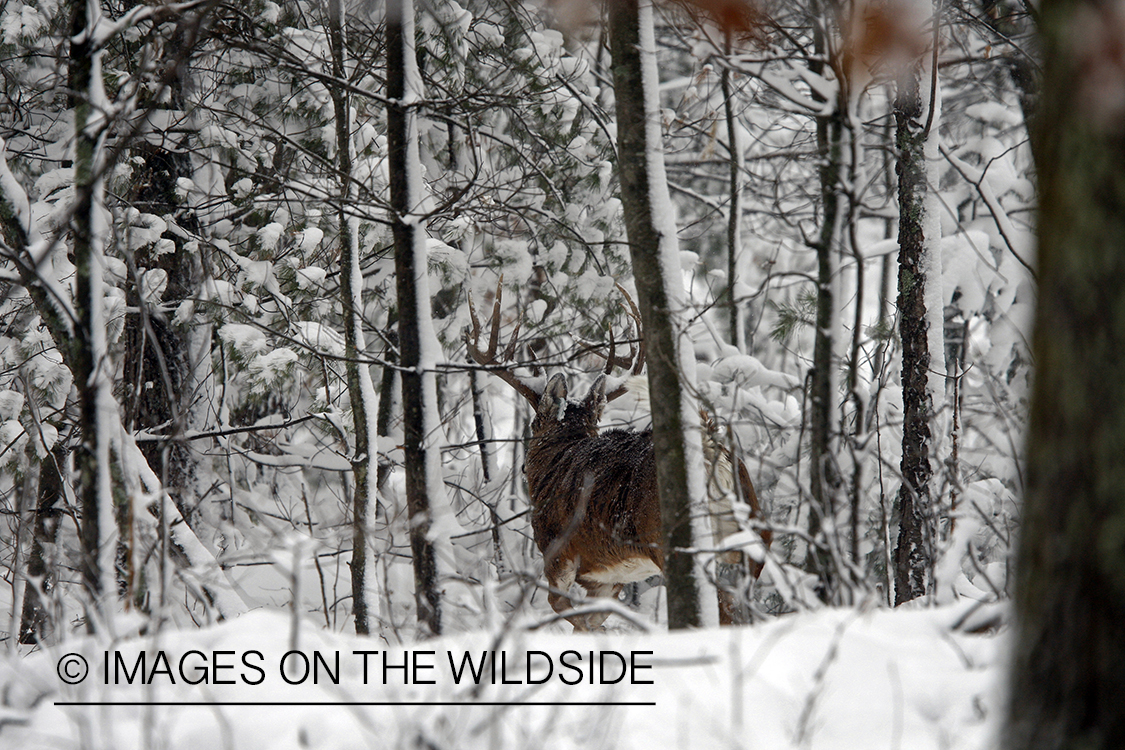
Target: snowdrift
846 679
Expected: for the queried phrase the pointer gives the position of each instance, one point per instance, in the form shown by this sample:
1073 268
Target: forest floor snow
838 678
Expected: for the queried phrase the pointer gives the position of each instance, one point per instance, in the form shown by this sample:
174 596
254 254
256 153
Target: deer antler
635 314
488 357
635 358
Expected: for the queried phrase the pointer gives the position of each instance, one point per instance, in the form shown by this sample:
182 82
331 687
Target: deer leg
560 577
597 591
732 580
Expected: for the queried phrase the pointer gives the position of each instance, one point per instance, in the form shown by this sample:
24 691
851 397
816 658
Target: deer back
593 494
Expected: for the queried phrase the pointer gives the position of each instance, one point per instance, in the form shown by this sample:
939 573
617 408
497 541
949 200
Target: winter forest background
218 397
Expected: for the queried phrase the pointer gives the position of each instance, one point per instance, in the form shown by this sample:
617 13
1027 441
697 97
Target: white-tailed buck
594 506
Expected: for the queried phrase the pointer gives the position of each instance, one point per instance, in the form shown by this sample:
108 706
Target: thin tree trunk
734 212
361 390
914 549
91 363
824 480
386 405
419 395
1067 689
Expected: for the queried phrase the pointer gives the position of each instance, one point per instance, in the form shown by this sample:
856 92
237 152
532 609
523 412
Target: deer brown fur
594 503
594 508
595 511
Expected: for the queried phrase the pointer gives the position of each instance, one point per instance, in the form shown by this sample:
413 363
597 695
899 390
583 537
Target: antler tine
617 392
474 335
613 359
639 362
494 333
635 314
636 357
488 358
609 360
510 350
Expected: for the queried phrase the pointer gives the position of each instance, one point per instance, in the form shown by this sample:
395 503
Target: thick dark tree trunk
402 150
156 370
915 541
1016 21
1068 667
633 154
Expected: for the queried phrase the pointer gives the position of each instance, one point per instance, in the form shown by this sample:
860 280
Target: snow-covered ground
845 678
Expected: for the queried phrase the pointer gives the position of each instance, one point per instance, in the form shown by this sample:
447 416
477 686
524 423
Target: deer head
555 414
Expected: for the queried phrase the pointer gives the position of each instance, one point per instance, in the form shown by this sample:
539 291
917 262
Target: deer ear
552 404
595 400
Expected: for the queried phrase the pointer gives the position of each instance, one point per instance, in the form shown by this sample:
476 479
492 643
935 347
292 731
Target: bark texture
824 479
400 45
913 550
86 301
1068 668
351 302
664 374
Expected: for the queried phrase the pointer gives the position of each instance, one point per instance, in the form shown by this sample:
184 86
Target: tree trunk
653 250
734 211
361 390
914 549
824 479
90 362
1068 666
158 371
383 464
419 393
36 625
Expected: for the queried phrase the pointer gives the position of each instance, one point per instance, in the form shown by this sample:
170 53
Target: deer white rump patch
628 571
